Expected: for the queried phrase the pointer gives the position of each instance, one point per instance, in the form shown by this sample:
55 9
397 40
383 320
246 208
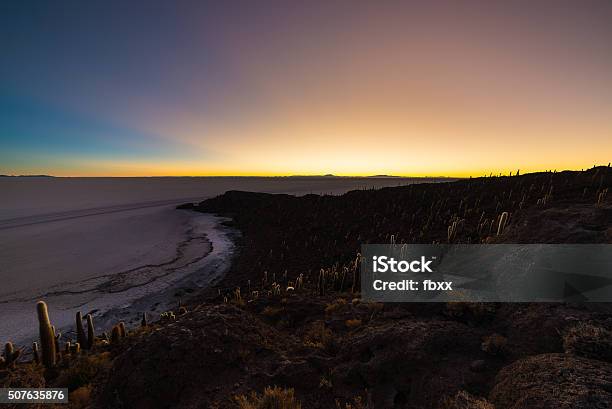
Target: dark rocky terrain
289 314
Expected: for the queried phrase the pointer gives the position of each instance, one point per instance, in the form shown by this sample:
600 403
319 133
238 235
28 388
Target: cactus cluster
87 341
454 229
118 333
601 196
10 355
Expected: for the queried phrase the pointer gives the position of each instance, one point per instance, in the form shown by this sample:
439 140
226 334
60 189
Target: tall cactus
91 335
503 220
122 330
79 329
47 337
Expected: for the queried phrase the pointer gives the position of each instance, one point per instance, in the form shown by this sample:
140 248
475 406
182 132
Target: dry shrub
80 398
83 370
22 376
325 382
589 341
463 400
337 306
272 398
353 323
318 336
495 344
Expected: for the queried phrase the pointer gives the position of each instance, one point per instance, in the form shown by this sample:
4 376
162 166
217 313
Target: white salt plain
116 247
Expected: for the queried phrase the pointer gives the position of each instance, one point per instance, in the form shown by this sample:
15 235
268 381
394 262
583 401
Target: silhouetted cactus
35 353
503 220
91 334
75 348
57 337
47 337
143 322
115 335
122 331
601 197
10 354
79 329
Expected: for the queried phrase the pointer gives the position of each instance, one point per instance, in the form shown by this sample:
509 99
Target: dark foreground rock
196 362
554 381
408 362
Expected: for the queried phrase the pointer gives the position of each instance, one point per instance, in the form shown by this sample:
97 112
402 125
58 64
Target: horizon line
328 175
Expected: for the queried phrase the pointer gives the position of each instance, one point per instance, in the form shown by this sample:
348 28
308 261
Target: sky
454 88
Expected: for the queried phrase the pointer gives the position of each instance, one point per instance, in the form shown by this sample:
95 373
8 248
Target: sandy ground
116 247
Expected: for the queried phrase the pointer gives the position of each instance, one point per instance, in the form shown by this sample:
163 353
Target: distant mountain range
330 175
26 176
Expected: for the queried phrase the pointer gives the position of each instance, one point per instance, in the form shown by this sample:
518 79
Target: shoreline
125 295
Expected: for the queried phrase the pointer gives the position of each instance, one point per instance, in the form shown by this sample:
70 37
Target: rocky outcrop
197 361
554 381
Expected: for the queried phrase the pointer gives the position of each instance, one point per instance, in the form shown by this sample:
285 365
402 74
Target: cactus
47 337
503 220
143 322
452 232
115 335
57 337
91 334
35 353
80 330
601 197
169 315
75 348
10 354
321 282
122 331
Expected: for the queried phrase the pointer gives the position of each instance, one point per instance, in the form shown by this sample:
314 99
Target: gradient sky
451 88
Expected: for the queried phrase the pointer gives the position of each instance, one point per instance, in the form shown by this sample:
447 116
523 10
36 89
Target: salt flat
117 246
